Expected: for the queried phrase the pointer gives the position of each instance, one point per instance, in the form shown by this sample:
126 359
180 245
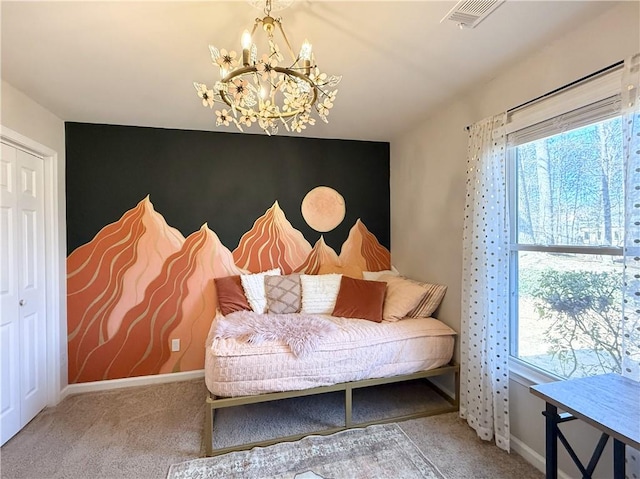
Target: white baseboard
130 382
532 457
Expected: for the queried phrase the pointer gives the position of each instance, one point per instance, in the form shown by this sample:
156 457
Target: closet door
9 298
22 299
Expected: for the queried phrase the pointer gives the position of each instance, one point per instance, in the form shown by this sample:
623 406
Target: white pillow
319 292
375 275
253 285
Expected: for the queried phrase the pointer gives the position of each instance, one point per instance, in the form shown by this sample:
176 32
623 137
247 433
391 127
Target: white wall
22 115
428 171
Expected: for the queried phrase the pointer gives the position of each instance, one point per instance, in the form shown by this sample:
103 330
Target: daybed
243 366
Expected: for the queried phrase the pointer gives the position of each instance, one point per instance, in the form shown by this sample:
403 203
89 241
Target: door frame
55 271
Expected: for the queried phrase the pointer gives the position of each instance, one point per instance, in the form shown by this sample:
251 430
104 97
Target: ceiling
134 63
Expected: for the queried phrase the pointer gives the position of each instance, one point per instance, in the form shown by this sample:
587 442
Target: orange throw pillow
359 298
231 296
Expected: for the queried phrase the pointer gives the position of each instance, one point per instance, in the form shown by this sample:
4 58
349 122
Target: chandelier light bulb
246 40
305 51
246 45
305 56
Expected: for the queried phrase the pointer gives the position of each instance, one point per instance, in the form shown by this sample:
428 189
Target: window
567 226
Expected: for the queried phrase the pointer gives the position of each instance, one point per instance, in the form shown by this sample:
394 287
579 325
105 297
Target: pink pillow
359 298
403 296
231 296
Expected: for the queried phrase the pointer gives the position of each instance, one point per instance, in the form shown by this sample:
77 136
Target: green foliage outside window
584 309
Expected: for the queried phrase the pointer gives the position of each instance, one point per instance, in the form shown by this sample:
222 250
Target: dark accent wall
225 179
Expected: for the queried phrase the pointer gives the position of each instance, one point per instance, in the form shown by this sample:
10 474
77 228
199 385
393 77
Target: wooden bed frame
213 403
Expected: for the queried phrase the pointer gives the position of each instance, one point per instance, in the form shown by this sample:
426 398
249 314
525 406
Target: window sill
528 375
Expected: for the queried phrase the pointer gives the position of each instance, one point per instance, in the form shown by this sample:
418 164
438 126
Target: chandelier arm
255 25
294 57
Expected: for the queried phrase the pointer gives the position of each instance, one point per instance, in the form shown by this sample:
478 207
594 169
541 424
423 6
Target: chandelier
269 91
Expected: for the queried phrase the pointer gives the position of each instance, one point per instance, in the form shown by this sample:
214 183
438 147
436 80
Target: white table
610 403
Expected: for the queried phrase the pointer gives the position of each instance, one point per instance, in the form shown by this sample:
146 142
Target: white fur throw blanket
301 332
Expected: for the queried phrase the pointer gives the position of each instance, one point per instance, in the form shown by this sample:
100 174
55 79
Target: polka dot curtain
631 305
484 380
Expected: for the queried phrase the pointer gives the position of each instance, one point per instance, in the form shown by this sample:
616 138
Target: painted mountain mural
108 276
178 304
139 284
272 243
321 260
210 259
363 252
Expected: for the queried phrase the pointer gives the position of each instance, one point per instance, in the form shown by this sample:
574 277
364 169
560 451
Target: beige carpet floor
140 432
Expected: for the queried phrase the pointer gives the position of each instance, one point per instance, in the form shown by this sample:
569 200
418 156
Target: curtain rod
559 89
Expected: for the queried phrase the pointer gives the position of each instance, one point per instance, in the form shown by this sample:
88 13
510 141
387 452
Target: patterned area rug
380 451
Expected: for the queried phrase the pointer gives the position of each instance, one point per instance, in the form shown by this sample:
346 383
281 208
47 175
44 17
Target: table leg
618 459
551 415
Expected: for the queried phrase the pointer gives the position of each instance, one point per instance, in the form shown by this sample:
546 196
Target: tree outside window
567 250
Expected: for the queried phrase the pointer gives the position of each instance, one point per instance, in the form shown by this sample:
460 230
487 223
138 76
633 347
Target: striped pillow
402 296
433 295
429 302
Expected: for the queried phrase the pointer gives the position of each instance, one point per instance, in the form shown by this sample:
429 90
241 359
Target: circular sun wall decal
323 208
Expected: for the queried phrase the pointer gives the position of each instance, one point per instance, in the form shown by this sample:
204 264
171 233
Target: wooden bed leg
347 406
208 426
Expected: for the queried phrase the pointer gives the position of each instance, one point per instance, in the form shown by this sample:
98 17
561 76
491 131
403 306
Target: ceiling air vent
469 13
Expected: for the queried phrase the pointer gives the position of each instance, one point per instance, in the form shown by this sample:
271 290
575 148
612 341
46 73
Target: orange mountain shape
321 260
362 250
178 304
272 243
108 276
198 307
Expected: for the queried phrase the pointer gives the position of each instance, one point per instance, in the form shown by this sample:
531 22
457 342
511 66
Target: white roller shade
593 100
